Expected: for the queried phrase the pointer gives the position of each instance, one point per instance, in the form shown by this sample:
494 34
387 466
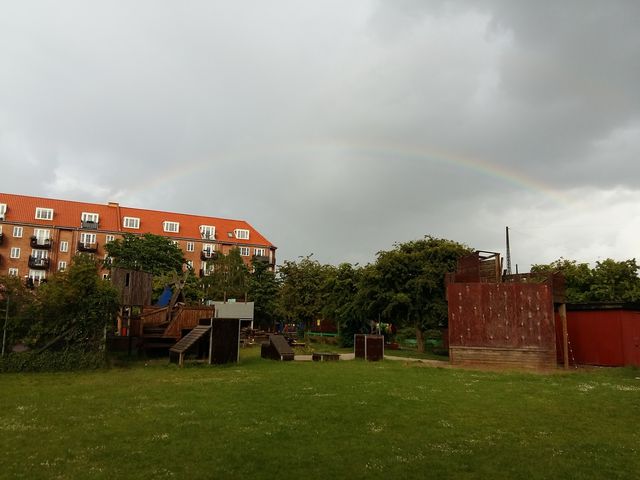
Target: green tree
303 291
17 307
148 252
406 285
263 290
608 281
341 305
228 278
74 307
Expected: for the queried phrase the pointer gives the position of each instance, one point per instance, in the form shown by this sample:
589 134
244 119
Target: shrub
47 361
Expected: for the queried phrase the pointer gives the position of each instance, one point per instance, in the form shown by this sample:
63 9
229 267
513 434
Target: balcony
42 243
90 247
261 258
89 225
38 263
207 255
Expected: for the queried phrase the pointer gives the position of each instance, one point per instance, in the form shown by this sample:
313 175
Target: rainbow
400 153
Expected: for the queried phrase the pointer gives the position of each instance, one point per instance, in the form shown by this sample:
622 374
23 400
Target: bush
48 361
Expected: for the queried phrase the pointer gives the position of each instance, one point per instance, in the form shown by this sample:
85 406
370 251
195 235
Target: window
64 246
42 235
105 276
258 252
15 252
241 233
131 222
44 213
88 238
89 217
17 232
173 227
208 248
37 275
208 232
13 272
244 251
109 238
190 247
190 263
3 210
39 254
175 242
62 266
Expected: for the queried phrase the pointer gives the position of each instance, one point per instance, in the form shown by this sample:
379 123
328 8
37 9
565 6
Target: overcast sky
337 127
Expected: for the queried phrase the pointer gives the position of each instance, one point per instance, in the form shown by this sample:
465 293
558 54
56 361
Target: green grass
310 420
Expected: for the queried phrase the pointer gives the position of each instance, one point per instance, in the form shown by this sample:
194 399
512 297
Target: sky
337 128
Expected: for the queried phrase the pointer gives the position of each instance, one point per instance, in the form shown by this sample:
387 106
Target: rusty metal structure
501 320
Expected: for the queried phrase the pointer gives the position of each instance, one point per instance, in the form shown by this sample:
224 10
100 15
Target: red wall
601 337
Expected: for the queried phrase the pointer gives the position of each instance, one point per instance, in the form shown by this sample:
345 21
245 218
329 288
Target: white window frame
38 275
190 263
244 251
3 210
131 222
170 227
88 238
13 272
15 252
259 252
38 253
42 234
90 217
109 238
17 232
208 247
241 233
208 232
62 266
44 213
175 242
191 247
64 246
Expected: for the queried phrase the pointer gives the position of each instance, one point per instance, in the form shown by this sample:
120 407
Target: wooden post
562 310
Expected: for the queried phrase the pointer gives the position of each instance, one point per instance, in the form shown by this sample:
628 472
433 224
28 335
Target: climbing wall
501 324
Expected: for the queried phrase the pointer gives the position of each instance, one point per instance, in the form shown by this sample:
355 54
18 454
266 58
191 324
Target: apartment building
40 236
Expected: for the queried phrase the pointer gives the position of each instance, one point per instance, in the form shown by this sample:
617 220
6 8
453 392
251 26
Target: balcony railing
44 243
38 262
88 225
261 258
91 247
208 255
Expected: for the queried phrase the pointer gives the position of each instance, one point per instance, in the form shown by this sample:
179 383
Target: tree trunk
419 339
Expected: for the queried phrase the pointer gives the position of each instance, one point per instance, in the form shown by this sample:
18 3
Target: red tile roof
22 208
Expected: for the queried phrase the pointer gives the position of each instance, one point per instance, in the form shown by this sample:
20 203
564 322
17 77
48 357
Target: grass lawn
324 420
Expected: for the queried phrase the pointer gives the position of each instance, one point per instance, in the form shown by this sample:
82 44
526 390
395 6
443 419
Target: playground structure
503 320
277 348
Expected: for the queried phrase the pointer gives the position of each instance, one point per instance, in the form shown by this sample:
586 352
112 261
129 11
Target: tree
17 306
74 307
263 290
303 290
406 285
148 252
608 281
228 277
342 305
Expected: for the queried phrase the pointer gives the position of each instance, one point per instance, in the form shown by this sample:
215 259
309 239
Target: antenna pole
508 253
